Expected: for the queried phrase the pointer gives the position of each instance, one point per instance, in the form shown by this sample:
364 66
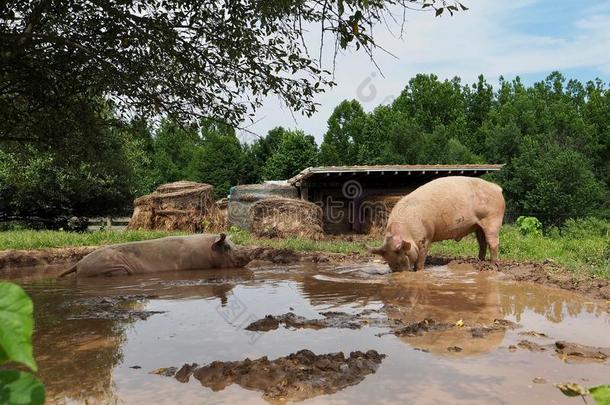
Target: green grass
28 239
581 254
579 247
307 245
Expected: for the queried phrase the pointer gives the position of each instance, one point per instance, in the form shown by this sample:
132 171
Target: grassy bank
25 239
582 247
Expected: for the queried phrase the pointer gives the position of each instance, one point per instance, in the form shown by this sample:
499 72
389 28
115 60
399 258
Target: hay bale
376 210
244 196
179 206
286 217
222 209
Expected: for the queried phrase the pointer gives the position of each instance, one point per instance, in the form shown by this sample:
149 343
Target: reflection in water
90 359
76 356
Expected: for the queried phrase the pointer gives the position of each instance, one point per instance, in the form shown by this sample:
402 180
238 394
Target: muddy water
97 340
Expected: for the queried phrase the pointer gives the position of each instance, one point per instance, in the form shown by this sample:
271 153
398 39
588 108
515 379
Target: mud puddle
449 334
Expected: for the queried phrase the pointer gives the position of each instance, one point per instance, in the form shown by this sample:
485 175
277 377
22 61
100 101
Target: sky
526 38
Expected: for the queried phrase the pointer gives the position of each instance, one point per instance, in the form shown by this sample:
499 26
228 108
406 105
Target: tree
296 152
218 160
192 58
98 173
389 137
261 150
173 149
552 183
345 125
432 102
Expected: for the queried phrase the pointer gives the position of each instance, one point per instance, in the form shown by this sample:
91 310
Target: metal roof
393 169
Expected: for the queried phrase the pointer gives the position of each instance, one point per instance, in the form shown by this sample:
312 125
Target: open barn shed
358 199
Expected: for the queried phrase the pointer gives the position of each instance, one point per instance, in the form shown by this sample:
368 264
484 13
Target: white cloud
480 40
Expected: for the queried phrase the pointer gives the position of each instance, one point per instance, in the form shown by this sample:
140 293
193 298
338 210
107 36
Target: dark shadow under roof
317 172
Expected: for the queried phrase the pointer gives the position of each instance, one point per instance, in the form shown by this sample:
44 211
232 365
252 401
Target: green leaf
601 394
16 318
439 11
18 387
572 389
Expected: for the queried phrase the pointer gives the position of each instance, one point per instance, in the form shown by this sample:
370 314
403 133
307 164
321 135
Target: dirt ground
13 262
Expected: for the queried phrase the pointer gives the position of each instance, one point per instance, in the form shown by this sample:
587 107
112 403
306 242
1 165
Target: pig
202 251
446 208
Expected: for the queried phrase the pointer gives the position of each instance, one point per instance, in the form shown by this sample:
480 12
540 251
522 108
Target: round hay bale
179 206
286 217
376 210
242 198
221 207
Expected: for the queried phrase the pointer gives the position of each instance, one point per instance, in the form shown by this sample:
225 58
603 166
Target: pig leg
109 271
493 241
482 243
421 257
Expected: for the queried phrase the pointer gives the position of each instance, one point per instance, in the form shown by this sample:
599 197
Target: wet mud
117 308
19 263
454 333
331 319
296 377
567 351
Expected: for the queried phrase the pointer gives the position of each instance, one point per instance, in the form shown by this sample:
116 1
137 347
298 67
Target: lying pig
204 251
446 208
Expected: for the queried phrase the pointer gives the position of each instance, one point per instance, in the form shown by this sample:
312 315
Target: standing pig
446 208
204 251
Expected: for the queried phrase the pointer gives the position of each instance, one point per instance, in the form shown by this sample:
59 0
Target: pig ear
403 245
219 243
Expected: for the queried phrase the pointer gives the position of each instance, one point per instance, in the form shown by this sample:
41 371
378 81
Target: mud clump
120 308
331 320
531 346
296 377
430 325
421 327
498 325
575 351
567 351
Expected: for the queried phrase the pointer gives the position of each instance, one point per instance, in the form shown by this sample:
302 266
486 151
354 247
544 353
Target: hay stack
222 209
376 211
244 196
286 217
179 206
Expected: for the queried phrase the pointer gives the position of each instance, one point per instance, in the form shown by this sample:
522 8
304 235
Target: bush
529 226
586 228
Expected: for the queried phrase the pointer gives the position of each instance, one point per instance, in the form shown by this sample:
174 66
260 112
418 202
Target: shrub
586 228
529 226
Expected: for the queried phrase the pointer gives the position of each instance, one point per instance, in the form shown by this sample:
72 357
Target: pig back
447 208
170 253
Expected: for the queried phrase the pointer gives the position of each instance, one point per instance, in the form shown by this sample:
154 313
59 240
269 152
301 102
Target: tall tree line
553 136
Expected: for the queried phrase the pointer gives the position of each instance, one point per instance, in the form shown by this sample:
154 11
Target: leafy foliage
529 226
95 172
295 152
551 136
20 388
601 394
191 58
16 317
